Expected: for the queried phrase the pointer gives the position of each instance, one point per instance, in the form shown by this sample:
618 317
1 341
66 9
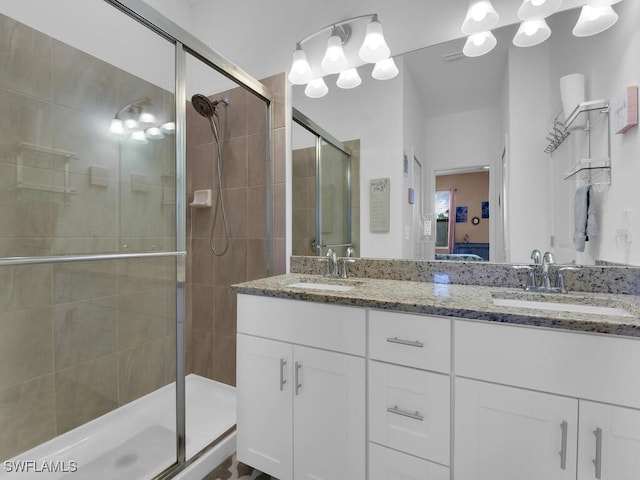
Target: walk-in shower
208 109
117 329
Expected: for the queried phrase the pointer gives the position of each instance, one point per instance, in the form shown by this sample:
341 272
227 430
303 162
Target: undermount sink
327 284
565 304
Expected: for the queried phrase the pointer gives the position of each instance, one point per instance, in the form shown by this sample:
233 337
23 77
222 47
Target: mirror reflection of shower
209 109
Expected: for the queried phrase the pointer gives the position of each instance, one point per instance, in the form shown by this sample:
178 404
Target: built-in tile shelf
50 152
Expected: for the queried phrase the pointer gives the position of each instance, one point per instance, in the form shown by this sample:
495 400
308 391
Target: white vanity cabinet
528 404
301 389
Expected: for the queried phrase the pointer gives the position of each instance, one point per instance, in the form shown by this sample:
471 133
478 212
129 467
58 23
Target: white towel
584 217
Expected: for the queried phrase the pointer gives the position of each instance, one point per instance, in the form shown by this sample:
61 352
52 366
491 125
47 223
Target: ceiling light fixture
532 32
479 44
481 16
137 122
340 54
594 20
537 9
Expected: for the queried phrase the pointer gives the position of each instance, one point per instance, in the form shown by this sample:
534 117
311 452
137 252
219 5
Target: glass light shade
594 20
168 128
131 124
532 32
154 133
146 117
139 137
334 60
601 3
479 44
374 48
116 127
385 69
349 79
316 88
300 72
481 16
536 9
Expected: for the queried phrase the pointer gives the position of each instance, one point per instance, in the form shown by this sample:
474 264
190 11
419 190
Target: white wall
375 117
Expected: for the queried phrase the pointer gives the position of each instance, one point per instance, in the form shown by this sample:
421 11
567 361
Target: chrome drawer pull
563 448
598 461
406 413
297 379
409 343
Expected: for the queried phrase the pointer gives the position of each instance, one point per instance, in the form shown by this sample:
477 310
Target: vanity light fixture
479 44
594 20
137 122
337 59
481 16
537 9
532 32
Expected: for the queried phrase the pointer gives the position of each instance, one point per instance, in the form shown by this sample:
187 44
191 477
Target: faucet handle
531 284
536 256
345 261
560 281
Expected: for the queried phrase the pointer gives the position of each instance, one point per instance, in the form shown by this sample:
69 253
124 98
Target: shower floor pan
137 440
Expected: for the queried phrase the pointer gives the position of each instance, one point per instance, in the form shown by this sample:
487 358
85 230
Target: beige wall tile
225 311
224 351
257 159
85 392
202 308
26 345
232 267
141 370
25 286
256 217
202 353
234 163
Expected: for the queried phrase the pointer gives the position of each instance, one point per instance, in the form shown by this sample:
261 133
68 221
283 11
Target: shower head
203 105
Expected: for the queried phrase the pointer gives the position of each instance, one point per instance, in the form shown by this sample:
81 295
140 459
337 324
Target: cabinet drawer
409 410
386 464
416 340
332 327
581 365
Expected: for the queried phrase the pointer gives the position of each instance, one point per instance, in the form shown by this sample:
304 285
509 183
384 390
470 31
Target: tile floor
231 469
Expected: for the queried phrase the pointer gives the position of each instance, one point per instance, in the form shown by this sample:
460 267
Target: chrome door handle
598 460
405 413
563 446
410 343
283 362
298 384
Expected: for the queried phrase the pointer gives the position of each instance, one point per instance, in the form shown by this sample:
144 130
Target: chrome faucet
536 256
331 259
547 259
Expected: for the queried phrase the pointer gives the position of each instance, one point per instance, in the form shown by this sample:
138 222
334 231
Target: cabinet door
265 413
609 442
505 433
329 415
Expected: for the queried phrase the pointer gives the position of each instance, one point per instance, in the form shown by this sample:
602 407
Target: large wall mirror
458 113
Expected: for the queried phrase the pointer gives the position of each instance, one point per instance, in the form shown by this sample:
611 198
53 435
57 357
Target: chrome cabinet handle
563 448
598 460
405 413
298 384
409 343
283 362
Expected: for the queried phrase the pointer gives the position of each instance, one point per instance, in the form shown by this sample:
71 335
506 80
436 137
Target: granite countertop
462 301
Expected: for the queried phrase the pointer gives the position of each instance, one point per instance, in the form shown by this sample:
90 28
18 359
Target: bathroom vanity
385 379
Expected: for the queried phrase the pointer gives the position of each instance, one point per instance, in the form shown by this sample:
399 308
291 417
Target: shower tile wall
212 313
79 339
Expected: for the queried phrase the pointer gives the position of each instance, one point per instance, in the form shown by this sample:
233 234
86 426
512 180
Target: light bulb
334 60
349 79
131 124
385 69
532 32
300 72
146 116
168 128
154 133
537 9
316 88
374 48
537 3
139 137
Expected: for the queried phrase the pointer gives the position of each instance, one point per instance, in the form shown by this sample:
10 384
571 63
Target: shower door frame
185 43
